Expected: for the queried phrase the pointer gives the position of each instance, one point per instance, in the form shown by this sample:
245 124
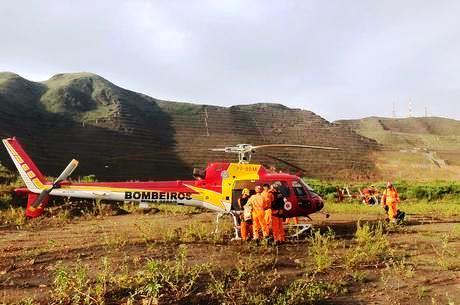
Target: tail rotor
56 184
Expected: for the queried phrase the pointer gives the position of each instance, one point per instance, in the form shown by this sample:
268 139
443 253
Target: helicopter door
237 189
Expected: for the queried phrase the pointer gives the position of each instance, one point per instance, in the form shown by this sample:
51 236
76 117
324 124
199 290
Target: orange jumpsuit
245 230
276 213
278 228
390 199
258 215
295 219
268 199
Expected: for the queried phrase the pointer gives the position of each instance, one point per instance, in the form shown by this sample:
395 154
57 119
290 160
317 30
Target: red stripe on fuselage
178 186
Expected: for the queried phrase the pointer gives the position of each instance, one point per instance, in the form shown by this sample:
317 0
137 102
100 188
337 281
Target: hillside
413 148
121 134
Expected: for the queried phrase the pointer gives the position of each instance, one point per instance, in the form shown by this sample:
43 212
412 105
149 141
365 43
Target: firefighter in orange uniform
257 203
390 200
277 214
268 199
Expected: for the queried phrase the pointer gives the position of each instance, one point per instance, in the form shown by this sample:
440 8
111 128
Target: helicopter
215 188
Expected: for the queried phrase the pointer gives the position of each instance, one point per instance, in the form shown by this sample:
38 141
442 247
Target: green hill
121 134
413 148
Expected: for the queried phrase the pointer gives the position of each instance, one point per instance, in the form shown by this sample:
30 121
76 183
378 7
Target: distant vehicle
216 188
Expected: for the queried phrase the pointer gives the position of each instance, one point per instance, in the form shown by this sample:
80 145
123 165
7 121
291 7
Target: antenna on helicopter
245 151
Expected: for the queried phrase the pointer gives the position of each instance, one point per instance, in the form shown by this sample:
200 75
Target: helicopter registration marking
247 168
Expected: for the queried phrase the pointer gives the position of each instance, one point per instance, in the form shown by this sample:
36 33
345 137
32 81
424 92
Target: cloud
340 59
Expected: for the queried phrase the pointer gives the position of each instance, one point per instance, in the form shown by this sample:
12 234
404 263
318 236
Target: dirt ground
28 257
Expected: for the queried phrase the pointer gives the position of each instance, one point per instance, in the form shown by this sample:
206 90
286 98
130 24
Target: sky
340 59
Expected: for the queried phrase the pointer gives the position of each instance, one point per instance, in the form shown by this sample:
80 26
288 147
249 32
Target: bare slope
120 134
421 148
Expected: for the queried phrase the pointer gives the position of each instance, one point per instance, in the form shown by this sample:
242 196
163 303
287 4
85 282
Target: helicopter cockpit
295 188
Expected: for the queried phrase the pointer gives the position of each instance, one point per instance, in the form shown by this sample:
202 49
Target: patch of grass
13 216
320 249
171 279
156 280
423 291
446 255
115 240
173 209
253 280
199 232
28 301
438 208
371 245
359 276
308 291
148 230
396 273
354 208
72 285
5 199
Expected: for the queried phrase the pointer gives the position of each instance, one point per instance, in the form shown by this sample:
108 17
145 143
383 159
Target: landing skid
300 229
236 226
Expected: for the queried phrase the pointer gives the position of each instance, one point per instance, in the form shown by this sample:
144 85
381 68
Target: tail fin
33 178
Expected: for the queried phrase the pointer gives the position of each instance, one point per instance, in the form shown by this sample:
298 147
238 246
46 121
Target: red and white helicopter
216 188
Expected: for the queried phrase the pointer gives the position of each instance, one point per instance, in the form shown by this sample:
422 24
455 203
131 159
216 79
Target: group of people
262 212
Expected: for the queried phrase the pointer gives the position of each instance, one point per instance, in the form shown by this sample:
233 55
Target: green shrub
407 190
371 245
321 248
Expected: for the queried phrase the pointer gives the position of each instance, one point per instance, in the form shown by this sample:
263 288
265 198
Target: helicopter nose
320 204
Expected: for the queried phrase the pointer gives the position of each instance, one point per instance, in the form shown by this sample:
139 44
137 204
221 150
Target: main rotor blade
41 197
67 171
283 161
295 145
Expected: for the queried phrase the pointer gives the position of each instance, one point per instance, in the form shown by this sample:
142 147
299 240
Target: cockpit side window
298 189
284 189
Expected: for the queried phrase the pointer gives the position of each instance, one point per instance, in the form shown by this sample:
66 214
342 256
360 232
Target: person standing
257 203
277 209
246 219
389 201
268 199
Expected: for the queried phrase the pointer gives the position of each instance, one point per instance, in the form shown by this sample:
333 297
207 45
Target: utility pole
410 109
394 110
426 111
